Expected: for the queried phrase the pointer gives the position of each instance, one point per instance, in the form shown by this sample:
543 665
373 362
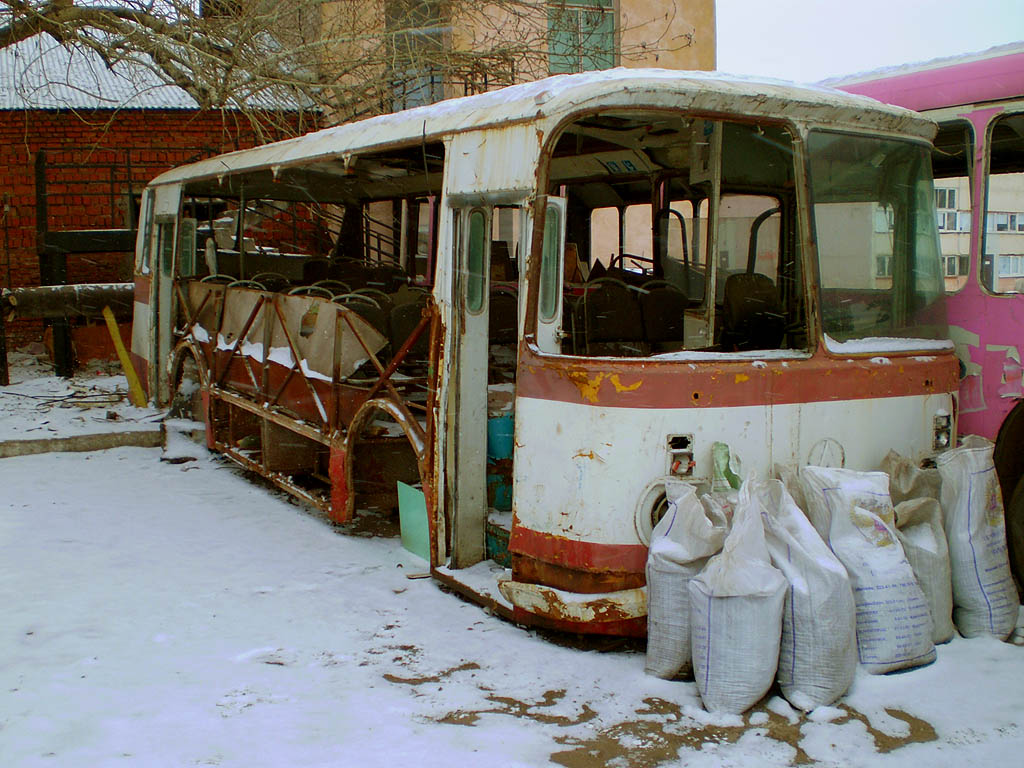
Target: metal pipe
66 301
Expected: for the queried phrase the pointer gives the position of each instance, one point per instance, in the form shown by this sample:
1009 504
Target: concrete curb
142 438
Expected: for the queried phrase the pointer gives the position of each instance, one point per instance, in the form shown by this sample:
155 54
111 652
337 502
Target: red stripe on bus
141 366
635 383
580 555
142 288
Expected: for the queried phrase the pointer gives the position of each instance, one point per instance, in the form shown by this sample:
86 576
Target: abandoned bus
535 304
978 161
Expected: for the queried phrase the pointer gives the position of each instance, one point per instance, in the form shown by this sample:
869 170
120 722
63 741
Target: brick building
78 143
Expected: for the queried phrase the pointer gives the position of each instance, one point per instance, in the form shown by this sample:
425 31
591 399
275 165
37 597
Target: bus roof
549 100
971 78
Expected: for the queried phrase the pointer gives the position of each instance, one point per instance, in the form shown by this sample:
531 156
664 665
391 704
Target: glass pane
951 162
597 39
476 280
549 265
166 248
146 222
638 248
1003 242
187 248
563 40
604 235
876 285
749 223
581 35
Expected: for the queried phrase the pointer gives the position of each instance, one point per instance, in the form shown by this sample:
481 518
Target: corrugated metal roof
40 73
553 98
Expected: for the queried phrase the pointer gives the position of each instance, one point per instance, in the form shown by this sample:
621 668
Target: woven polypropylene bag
984 597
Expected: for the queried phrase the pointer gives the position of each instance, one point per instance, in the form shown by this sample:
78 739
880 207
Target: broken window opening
641 196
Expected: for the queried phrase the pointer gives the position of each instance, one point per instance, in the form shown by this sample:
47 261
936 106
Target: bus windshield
878 247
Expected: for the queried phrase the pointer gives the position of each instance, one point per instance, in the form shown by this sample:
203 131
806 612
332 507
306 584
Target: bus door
166 202
484 342
467 401
549 309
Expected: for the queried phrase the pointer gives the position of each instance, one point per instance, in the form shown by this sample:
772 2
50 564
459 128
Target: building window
416 49
883 265
1011 265
581 35
949 219
883 219
945 198
956 266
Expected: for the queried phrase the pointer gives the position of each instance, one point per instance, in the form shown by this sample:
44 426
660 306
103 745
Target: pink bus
978 161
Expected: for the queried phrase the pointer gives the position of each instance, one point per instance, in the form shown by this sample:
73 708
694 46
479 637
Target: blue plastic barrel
500 431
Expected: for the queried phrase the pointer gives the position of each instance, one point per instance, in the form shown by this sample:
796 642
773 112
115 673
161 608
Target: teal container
500 446
499 491
500 430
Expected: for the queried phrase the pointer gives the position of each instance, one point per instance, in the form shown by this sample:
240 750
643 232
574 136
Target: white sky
810 40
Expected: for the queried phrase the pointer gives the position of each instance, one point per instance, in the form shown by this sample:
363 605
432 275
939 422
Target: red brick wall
97 162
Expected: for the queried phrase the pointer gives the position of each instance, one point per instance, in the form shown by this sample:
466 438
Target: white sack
818 652
736 617
681 544
919 528
789 477
915 492
908 481
721 504
984 597
894 625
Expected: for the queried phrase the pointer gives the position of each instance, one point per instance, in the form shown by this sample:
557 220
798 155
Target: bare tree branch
348 58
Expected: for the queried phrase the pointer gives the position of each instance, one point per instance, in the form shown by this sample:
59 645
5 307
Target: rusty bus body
628 266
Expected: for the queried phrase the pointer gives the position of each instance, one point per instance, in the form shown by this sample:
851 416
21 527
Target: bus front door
467 399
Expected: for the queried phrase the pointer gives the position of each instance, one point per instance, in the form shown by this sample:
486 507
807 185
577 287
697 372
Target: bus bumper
622 612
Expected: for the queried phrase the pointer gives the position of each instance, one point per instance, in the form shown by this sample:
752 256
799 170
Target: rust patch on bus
590 386
587 386
619 387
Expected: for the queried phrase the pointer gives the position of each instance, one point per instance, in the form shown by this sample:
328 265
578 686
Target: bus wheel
1014 512
1008 454
187 403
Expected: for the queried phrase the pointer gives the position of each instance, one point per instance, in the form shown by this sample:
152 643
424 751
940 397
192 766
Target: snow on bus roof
553 98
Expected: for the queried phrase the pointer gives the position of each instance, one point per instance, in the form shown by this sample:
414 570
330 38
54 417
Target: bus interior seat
403 321
384 300
385 277
272 281
663 307
348 271
367 308
611 319
314 270
752 314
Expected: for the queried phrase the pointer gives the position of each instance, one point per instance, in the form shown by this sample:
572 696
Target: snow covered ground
176 614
